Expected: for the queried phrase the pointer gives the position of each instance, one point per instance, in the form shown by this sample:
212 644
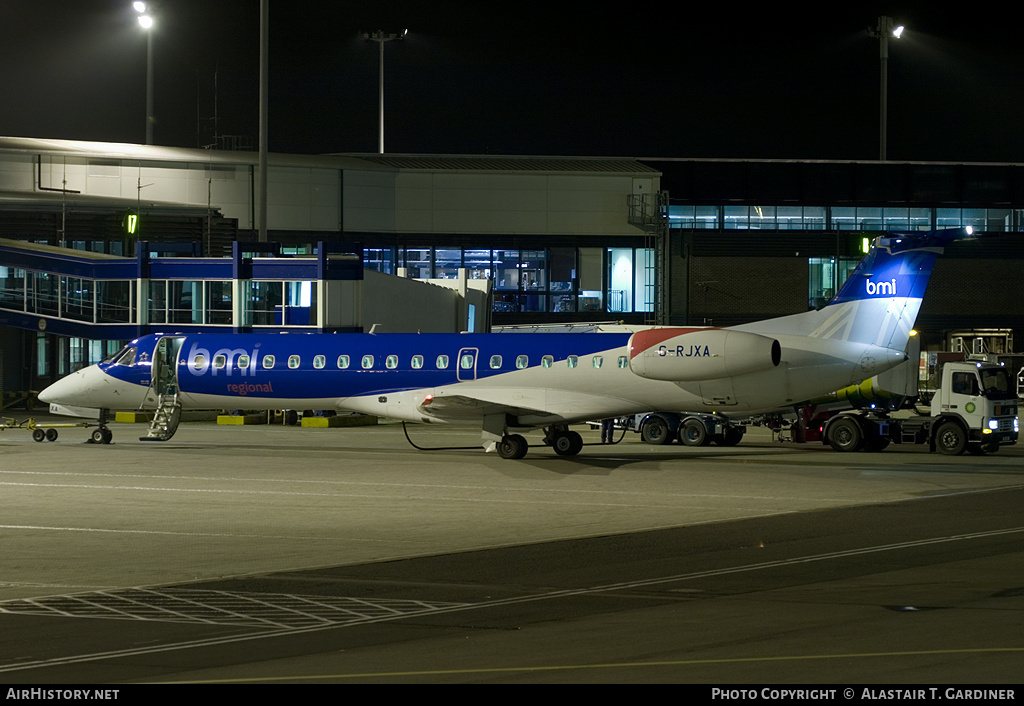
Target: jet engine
681 354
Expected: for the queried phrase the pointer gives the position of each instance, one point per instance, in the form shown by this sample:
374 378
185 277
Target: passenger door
165 365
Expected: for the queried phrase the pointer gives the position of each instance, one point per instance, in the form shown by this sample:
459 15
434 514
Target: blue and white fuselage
509 382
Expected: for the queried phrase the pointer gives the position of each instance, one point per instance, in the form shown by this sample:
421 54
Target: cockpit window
115 355
128 357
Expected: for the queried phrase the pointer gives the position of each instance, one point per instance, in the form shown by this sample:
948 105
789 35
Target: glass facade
60 296
831 218
825 275
541 280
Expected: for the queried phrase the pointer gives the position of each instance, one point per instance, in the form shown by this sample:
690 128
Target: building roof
508 163
157 153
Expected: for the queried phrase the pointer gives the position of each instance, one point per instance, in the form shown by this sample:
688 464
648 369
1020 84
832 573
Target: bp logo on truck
970 407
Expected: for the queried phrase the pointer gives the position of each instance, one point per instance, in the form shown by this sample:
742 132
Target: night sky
640 80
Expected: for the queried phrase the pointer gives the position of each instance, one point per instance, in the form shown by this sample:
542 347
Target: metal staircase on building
165 421
650 212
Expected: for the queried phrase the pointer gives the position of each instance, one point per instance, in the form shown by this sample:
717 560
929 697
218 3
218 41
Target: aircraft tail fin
878 304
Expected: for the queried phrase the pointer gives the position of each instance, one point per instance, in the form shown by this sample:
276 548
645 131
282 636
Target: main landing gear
512 446
563 441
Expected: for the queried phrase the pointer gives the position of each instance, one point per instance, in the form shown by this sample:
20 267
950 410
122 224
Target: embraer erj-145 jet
507 384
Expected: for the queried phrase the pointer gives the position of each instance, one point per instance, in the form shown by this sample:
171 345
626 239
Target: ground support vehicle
48 431
974 410
690 429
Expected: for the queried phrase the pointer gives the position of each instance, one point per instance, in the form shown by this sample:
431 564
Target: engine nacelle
681 354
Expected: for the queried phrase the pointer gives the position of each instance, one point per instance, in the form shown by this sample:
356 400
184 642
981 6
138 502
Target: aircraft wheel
512 446
694 433
950 439
568 443
577 442
656 432
38 435
102 436
845 435
51 434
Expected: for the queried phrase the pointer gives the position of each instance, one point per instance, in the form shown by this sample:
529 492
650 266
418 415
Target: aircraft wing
462 407
531 406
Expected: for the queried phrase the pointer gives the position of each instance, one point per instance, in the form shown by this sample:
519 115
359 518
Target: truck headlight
993 424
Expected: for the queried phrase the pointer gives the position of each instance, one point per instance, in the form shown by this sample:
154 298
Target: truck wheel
694 433
655 431
879 443
950 439
731 437
845 435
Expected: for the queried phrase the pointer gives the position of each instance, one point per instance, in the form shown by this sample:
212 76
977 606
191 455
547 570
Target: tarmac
250 554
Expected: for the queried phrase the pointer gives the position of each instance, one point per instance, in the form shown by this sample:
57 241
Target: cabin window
343 361
367 362
219 362
242 362
268 362
199 362
522 361
547 361
319 361
495 361
598 361
391 362
573 361
442 362
293 361
467 361
623 362
417 362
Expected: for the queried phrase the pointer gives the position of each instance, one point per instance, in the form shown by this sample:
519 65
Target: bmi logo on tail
884 288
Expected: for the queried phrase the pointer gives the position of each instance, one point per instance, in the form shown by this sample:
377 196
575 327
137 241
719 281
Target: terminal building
102 242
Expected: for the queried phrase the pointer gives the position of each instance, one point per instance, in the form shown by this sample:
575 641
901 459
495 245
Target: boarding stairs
165 421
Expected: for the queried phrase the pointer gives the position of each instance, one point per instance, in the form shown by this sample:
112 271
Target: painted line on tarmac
552 595
608 665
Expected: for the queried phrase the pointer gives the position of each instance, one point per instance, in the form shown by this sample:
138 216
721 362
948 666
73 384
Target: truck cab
981 398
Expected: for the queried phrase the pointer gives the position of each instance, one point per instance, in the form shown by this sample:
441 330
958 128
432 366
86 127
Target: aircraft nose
74 389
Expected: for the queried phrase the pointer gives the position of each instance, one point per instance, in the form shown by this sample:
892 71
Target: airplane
510 383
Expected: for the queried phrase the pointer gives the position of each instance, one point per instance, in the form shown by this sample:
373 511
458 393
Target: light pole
882 32
146 22
381 38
